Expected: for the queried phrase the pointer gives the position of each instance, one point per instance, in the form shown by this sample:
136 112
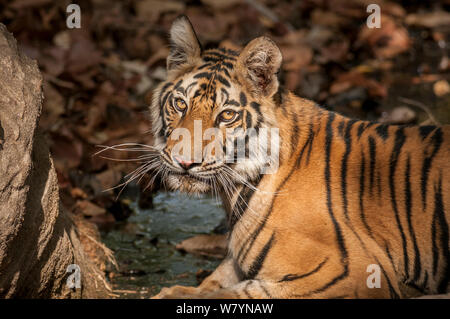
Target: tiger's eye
180 105
228 116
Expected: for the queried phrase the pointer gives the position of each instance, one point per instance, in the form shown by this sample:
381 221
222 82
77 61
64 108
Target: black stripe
248 119
167 111
243 99
226 72
205 65
388 253
393 294
348 149
259 260
398 144
218 55
337 228
233 102
190 86
226 94
425 281
383 131
278 98
308 142
203 75
260 117
212 59
161 132
369 125
246 292
223 80
214 100
379 183
228 65
161 94
181 90
361 128
439 219
228 51
341 128
436 139
425 130
264 289
238 270
219 67
256 107
291 277
177 85
372 154
408 206
361 192
165 98
295 133
242 202
435 248
197 93
311 142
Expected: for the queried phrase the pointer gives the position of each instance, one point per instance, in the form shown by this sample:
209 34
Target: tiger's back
377 194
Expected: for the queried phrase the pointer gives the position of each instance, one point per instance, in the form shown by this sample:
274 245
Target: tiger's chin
187 184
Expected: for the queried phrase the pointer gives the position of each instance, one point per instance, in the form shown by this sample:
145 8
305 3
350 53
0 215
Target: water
144 245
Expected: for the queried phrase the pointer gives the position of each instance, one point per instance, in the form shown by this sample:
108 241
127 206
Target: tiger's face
212 106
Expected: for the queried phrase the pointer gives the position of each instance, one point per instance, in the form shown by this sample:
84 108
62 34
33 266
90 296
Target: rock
398 115
38 239
205 245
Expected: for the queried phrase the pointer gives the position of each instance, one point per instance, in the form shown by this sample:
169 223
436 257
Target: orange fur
347 193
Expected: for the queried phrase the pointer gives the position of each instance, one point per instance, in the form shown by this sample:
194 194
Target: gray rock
38 239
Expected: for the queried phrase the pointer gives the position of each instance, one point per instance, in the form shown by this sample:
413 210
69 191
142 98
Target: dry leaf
441 88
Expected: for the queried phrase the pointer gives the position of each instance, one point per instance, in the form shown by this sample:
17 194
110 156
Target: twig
108 252
422 106
59 82
261 8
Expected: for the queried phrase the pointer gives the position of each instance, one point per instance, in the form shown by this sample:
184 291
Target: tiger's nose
186 164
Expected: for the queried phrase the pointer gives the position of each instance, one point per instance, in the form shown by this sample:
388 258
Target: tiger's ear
260 62
184 45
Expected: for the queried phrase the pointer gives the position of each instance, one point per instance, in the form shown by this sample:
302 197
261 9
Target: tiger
348 200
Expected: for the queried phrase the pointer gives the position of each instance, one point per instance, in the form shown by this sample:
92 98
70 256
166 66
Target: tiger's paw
177 292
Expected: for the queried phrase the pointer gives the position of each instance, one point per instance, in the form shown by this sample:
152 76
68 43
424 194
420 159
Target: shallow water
144 245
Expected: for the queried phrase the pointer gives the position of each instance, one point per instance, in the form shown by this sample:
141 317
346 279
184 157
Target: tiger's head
222 91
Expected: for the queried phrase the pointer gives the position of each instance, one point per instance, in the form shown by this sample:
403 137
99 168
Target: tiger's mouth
189 182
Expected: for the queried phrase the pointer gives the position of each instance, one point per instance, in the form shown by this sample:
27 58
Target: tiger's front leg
254 289
224 276
247 289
